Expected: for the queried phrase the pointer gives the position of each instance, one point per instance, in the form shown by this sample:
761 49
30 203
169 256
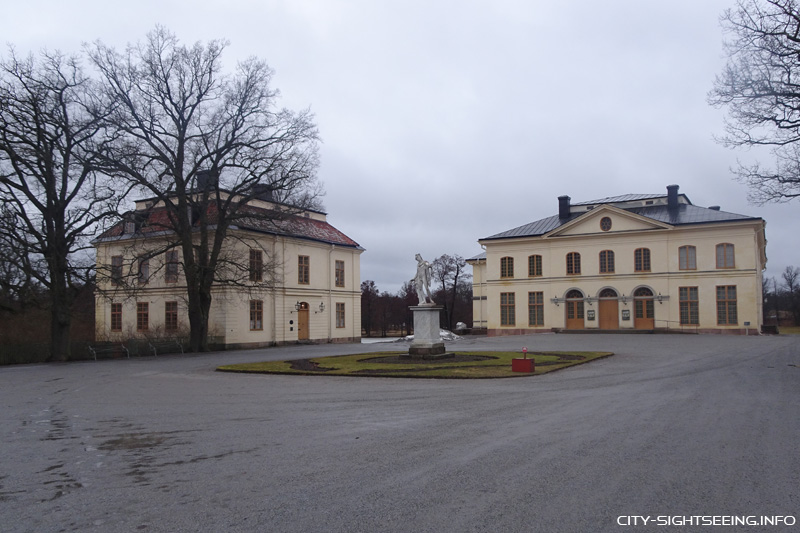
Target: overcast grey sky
447 121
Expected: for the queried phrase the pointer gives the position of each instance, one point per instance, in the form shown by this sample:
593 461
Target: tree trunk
60 302
199 307
198 334
60 322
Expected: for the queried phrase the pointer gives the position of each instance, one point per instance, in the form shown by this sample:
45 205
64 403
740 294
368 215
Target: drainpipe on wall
274 297
485 323
330 293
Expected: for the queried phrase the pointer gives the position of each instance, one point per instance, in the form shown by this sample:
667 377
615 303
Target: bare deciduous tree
52 197
369 296
449 272
759 86
203 144
791 283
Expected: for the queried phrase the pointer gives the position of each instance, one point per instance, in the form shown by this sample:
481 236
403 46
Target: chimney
672 196
714 207
563 206
263 191
207 179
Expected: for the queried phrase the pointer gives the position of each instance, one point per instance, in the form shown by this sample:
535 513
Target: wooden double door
609 314
608 309
574 311
644 316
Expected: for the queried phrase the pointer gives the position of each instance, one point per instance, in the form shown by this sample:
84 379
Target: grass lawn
789 330
465 365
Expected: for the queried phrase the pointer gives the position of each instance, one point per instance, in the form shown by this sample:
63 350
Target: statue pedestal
427 342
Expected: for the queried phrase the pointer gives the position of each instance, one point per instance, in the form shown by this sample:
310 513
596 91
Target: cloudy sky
447 121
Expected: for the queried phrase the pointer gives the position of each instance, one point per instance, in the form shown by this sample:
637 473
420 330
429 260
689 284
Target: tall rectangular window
116 270
256 265
339 314
303 270
170 316
641 260
534 265
507 313
725 255
144 271
142 316
689 305
573 263
687 258
116 317
726 305
339 273
607 262
536 309
256 315
506 267
171 268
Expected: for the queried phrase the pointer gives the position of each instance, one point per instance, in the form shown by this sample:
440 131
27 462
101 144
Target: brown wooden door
643 314
575 314
609 314
302 322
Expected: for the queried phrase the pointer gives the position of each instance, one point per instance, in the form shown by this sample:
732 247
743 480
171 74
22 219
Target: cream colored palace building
651 262
300 281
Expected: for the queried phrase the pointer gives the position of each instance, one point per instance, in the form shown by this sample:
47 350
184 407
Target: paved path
671 425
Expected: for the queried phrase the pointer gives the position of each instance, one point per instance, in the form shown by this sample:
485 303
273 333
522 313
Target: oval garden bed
464 365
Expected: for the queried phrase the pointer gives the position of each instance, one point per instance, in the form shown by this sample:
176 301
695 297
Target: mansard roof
300 227
155 221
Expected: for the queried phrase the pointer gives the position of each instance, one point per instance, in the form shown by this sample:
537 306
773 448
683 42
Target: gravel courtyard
676 425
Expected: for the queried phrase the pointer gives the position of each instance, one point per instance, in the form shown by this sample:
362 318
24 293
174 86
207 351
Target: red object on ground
523 365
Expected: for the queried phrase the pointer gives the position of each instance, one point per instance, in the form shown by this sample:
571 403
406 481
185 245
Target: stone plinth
427 342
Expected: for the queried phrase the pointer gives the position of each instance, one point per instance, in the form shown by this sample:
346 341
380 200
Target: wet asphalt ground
672 425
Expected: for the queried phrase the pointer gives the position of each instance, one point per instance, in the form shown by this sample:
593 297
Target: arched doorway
608 309
302 322
643 309
574 310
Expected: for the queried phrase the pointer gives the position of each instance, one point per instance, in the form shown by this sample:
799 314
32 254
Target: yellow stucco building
650 262
292 281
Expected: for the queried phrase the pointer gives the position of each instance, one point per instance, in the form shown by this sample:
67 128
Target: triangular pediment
596 222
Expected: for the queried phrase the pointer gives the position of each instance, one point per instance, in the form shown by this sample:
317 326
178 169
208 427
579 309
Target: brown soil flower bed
457 358
307 365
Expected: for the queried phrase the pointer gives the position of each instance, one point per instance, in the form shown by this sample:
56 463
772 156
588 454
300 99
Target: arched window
725 255
687 258
573 263
506 267
606 262
608 293
641 260
643 308
574 309
534 265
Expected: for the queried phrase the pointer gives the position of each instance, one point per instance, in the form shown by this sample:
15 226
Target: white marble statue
422 281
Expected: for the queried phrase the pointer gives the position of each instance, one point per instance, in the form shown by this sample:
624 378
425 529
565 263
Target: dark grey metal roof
623 198
540 227
688 214
683 214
